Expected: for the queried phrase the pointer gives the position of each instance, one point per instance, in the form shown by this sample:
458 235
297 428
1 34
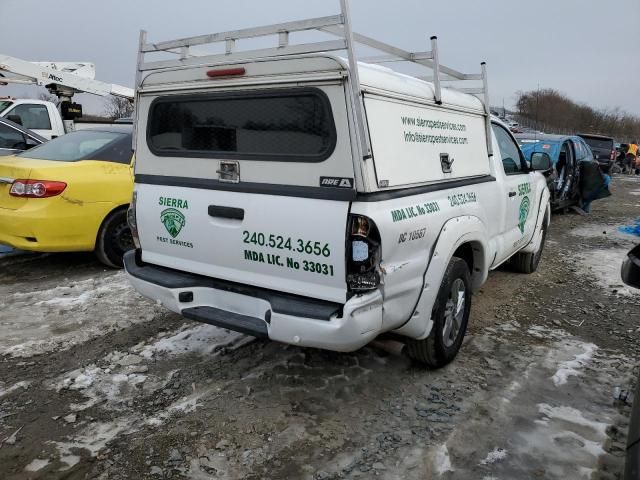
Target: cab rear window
599 143
281 125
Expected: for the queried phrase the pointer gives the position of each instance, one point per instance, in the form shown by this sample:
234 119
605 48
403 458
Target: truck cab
274 198
39 116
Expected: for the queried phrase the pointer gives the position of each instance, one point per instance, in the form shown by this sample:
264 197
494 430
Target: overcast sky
587 49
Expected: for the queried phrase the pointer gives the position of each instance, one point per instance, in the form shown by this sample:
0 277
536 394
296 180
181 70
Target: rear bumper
260 312
48 225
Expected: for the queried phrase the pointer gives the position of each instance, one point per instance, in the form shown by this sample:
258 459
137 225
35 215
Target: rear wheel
527 262
450 317
114 239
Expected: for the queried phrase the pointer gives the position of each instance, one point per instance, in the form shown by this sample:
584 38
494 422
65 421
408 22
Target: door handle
226 212
512 194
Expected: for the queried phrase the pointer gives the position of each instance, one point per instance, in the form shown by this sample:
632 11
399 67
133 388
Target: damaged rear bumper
258 311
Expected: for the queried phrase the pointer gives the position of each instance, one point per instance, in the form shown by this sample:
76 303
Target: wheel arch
466 235
115 209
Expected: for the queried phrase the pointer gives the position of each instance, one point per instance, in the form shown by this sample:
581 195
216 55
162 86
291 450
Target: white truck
40 116
63 79
291 194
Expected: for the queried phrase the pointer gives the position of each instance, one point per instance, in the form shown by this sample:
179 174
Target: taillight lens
613 155
36 188
132 220
363 250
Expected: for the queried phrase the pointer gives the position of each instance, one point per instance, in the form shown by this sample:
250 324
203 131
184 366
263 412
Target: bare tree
553 111
118 107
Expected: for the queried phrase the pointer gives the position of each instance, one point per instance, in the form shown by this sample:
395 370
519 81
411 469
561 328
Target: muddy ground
96 382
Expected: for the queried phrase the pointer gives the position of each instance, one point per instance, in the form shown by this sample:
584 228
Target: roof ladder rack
336 25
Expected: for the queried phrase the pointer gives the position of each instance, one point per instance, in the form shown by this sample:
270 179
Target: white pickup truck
258 207
39 116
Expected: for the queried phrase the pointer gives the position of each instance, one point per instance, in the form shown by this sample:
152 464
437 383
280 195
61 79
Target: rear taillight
36 188
132 220
613 155
363 254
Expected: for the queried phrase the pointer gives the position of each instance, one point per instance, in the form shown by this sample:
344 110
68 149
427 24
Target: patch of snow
540 331
94 438
75 313
23 384
512 326
601 231
442 462
182 406
604 266
494 456
574 416
202 339
36 464
571 368
70 460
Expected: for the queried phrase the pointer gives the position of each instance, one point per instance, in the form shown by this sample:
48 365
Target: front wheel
114 239
450 317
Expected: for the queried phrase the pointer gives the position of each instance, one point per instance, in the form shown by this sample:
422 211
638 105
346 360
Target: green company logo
173 220
524 213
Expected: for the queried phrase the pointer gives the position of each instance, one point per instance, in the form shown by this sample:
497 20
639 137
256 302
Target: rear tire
114 239
450 316
528 262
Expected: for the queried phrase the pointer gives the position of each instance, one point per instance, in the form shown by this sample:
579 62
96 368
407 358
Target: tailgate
295 245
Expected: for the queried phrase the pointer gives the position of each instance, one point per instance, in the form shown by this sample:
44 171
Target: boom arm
63 79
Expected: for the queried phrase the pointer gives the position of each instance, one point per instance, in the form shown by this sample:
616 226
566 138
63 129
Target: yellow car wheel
114 239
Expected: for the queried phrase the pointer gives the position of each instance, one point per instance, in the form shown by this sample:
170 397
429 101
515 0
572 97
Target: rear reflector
227 72
36 188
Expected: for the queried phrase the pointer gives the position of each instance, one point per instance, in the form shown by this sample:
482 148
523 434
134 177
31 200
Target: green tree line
552 112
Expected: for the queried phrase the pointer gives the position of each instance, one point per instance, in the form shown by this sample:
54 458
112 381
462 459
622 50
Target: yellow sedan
70 194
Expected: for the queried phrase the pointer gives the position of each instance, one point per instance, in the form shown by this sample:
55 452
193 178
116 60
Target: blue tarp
632 229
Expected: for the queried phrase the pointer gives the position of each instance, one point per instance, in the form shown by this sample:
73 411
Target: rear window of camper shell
279 125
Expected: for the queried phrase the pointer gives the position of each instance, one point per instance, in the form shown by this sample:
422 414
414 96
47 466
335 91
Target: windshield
4 104
82 145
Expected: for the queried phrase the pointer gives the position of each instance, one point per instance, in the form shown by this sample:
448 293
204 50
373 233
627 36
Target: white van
293 195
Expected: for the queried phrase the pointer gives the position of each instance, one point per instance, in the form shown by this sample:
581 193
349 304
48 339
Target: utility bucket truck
293 194
62 79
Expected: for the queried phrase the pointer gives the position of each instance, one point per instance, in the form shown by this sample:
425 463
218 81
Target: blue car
566 152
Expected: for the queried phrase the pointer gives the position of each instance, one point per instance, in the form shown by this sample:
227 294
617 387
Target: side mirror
631 268
541 161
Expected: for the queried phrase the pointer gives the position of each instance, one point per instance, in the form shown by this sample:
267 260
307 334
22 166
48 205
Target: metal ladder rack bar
337 25
296 26
347 34
327 46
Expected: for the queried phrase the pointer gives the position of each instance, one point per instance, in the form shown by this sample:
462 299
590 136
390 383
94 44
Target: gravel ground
96 382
